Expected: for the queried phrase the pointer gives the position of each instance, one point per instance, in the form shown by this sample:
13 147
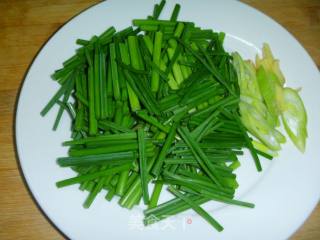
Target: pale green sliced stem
125 57
163 64
184 69
179 29
143 165
135 56
156 60
133 99
263 148
121 185
93 124
114 72
96 64
175 68
155 195
124 53
147 40
171 81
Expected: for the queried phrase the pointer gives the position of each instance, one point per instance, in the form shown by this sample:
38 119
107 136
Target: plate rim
20 164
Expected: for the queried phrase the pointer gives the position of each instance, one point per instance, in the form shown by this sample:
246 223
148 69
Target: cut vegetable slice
270 64
294 118
271 91
258 126
246 77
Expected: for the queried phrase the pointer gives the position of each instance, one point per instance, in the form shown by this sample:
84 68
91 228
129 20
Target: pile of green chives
155 104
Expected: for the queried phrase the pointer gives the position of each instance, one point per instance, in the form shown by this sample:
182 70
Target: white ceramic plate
286 191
